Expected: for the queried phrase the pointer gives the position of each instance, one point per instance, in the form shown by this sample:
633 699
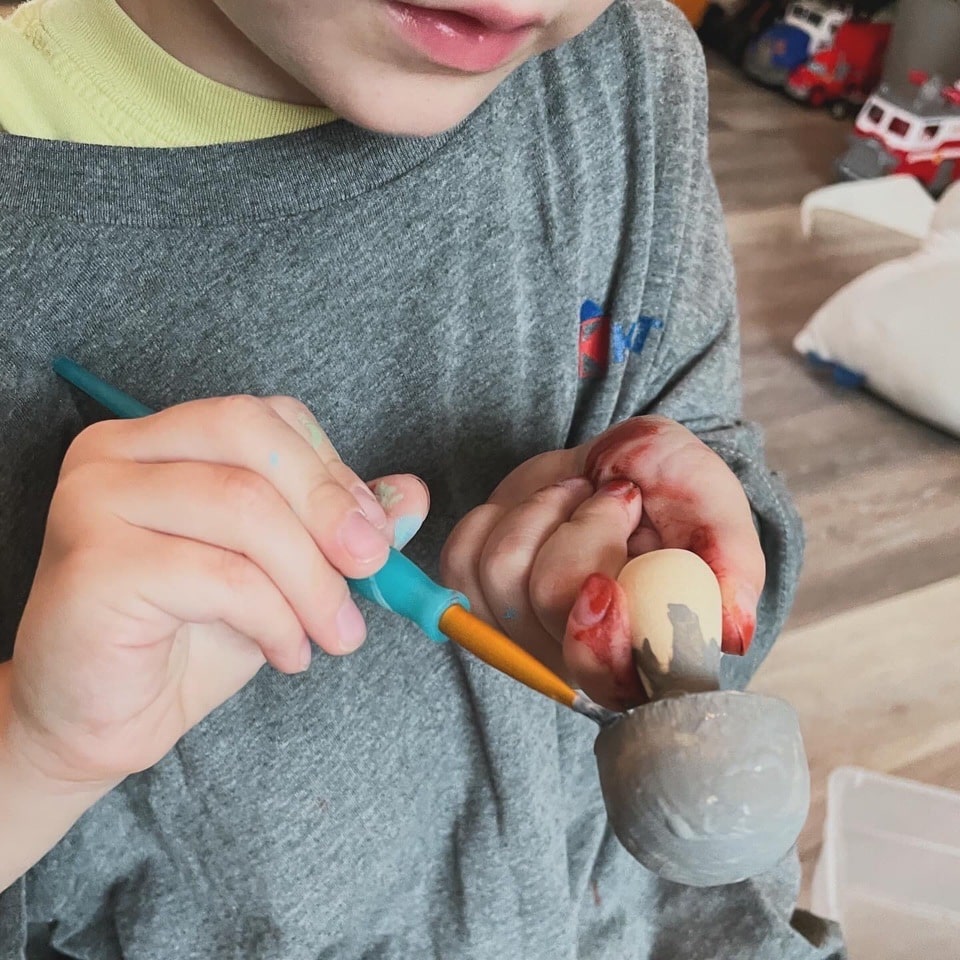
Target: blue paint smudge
405 528
510 614
274 460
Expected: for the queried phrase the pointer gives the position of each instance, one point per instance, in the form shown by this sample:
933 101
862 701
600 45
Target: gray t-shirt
444 305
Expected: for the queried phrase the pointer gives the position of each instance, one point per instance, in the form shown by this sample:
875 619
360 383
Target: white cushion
896 329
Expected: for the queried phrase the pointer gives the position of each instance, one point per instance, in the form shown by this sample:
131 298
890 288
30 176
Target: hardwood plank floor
869 658
877 687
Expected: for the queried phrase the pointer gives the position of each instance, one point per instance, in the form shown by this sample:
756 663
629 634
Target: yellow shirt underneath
82 70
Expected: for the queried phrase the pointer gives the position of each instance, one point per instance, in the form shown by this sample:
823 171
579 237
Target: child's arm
36 810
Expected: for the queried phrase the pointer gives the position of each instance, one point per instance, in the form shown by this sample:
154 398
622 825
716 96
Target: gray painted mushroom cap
708 788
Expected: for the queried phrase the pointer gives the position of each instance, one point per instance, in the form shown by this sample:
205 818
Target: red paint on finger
738 631
739 617
624 489
598 623
614 453
703 541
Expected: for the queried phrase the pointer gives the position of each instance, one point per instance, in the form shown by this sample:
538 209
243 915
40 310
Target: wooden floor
871 657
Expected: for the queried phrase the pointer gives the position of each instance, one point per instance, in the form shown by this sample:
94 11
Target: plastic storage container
889 873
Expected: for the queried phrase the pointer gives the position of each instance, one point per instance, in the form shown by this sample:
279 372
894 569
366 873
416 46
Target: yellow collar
82 70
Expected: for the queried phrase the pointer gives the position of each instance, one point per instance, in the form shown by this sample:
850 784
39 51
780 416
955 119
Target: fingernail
350 627
363 542
370 505
405 528
306 654
387 495
737 635
593 602
620 488
740 623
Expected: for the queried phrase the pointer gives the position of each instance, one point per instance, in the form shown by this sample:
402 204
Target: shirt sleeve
695 374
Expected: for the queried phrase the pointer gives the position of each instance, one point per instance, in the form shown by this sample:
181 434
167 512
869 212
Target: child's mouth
478 42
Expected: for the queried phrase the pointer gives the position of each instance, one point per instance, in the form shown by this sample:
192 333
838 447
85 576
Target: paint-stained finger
535 474
508 557
733 552
405 500
695 502
247 433
460 556
593 540
300 418
597 646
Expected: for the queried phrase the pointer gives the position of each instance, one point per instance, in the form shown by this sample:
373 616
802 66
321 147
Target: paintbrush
401 587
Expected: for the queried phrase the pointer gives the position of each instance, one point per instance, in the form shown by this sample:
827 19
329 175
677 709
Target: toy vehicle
846 72
808 27
917 135
729 26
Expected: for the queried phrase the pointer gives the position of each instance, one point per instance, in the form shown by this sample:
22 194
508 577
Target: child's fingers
301 419
196 583
460 557
238 511
593 539
405 500
535 474
732 550
507 558
645 539
711 516
460 569
693 501
245 433
598 648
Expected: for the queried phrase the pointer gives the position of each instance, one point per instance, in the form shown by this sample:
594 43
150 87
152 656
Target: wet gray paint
708 788
694 664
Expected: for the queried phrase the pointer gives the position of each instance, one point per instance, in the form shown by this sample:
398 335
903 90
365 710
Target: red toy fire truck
918 134
848 71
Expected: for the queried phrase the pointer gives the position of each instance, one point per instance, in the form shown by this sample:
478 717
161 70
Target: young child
470 240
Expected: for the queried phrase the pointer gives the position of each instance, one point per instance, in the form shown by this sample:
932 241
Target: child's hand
182 552
526 558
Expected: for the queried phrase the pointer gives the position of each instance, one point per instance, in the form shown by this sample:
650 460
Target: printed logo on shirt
603 342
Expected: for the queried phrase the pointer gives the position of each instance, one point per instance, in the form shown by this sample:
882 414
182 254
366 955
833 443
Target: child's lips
477 40
488 17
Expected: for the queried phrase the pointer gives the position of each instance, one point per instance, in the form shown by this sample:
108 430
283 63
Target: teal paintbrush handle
399 586
118 403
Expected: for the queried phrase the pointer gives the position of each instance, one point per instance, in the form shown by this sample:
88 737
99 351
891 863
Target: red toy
847 71
917 135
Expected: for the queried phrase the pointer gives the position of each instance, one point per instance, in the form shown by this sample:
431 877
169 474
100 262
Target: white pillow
896 329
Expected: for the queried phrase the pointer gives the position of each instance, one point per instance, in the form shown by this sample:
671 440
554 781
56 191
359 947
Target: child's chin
418 107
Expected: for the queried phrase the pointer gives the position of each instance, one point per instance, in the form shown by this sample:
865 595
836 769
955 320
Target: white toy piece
896 329
899 203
